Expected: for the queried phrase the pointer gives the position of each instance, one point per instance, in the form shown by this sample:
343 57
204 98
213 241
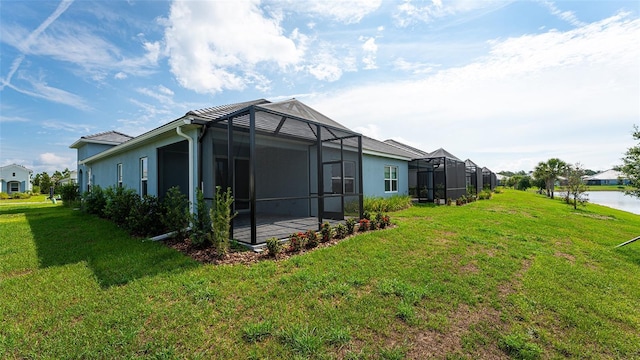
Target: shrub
4 195
274 247
351 225
484 195
326 231
175 212
119 202
312 239
144 217
201 222
382 221
297 241
20 195
341 231
70 194
363 224
94 201
221 220
35 189
386 204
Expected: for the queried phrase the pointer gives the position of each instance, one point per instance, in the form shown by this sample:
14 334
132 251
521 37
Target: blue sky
506 84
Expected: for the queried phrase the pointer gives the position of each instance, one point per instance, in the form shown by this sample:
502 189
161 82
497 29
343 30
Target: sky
506 84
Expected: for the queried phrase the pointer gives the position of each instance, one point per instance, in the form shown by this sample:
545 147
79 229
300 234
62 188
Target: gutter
190 141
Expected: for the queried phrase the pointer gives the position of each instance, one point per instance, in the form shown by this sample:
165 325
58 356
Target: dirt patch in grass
436 344
595 216
571 258
469 268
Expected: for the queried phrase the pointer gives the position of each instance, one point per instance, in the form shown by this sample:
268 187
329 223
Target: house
71 179
608 177
501 180
473 176
290 167
489 179
15 178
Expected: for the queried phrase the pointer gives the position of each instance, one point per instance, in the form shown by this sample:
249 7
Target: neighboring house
474 176
15 178
435 176
91 145
489 179
501 180
71 179
290 167
608 177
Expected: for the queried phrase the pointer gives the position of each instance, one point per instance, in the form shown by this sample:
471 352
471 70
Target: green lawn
518 275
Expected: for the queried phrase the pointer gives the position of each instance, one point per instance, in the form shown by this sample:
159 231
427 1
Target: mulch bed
245 257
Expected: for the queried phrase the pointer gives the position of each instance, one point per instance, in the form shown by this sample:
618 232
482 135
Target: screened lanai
290 167
473 176
489 178
440 176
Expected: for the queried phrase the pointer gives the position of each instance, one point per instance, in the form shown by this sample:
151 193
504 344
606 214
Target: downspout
190 141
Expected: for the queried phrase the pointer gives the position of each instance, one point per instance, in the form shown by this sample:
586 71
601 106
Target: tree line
42 182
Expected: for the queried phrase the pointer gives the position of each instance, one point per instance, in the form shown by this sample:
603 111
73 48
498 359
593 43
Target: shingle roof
217 112
384 147
607 175
442 153
416 153
107 137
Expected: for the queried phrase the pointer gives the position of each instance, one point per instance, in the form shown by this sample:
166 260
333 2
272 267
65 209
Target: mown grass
519 275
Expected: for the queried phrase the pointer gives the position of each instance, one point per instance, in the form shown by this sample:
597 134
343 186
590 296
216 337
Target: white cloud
370 49
528 94
40 89
216 45
343 11
51 159
415 67
567 16
161 93
409 13
120 76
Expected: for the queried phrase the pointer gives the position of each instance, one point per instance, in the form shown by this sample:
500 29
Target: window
14 186
144 167
349 177
391 179
119 172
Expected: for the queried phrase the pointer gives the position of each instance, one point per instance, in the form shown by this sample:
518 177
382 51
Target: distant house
501 180
608 177
15 178
290 167
71 179
489 178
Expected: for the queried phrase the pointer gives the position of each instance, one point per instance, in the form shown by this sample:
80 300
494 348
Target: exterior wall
373 175
83 152
103 172
22 177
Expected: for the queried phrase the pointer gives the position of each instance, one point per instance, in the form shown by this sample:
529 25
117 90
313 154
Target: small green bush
386 204
119 202
312 239
201 222
20 195
351 225
70 194
4 195
221 220
175 214
326 231
144 217
274 247
341 231
35 189
297 241
94 201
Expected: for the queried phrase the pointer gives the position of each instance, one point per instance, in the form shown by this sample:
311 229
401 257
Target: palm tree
549 171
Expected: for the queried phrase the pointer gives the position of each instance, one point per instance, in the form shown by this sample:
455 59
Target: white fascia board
136 141
90 141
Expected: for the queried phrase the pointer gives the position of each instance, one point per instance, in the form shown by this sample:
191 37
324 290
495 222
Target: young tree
576 187
631 165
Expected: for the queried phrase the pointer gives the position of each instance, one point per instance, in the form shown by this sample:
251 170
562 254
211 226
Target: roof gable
442 153
107 137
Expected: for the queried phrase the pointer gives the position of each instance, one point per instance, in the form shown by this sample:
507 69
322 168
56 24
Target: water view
615 199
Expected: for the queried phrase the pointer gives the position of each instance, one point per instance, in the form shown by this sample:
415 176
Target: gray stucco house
15 178
289 166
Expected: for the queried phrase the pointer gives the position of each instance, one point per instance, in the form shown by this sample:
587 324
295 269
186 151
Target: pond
615 199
